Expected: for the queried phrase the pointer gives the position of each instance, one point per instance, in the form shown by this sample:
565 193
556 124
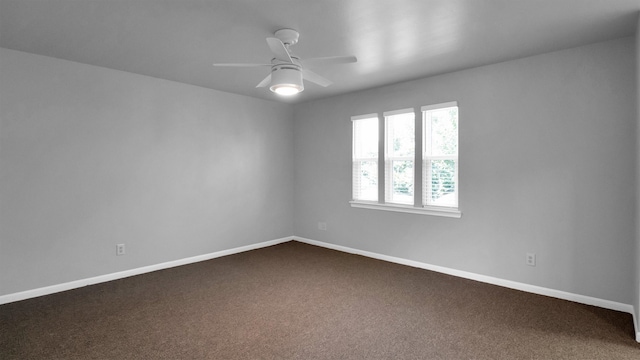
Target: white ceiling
394 40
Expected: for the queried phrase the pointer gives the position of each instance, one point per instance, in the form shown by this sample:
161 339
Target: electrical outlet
120 249
531 259
322 226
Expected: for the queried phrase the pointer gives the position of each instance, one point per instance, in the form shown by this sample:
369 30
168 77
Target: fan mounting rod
287 36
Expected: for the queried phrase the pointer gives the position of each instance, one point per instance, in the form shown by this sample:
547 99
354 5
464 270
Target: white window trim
365 116
398 112
443 211
426 210
426 159
388 159
439 106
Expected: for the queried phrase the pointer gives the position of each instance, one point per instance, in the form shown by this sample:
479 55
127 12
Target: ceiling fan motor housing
286 75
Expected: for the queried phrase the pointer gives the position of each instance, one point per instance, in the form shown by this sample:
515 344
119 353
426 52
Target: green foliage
403 177
442 178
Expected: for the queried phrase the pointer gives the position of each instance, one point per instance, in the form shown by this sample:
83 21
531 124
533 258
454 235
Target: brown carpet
297 301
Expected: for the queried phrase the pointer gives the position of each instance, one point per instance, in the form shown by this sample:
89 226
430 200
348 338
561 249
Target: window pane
365 134
442 139
443 182
365 159
400 133
440 166
365 179
402 181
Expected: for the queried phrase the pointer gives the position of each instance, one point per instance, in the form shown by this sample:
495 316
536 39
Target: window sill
431 210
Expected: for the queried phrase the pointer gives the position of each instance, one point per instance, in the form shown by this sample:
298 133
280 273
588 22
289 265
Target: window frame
355 190
418 206
427 158
389 159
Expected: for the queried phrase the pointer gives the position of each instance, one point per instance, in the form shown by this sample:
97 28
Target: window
365 157
399 156
440 155
420 182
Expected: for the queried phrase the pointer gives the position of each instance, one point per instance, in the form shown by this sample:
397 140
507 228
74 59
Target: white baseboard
588 300
23 295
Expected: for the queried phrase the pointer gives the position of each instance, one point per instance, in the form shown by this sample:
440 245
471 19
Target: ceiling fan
287 69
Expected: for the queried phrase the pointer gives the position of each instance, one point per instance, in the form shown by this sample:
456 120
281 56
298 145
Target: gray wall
547 165
91 157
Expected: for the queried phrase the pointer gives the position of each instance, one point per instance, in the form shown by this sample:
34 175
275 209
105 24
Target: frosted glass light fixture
286 80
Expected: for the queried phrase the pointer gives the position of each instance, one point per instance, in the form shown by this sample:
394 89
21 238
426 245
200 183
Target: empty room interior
449 179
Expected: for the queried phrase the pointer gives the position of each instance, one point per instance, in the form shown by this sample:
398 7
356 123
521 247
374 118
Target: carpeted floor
297 301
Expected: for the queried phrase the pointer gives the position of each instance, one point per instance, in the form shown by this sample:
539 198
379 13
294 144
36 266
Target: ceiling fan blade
278 48
315 78
330 60
242 65
265 81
